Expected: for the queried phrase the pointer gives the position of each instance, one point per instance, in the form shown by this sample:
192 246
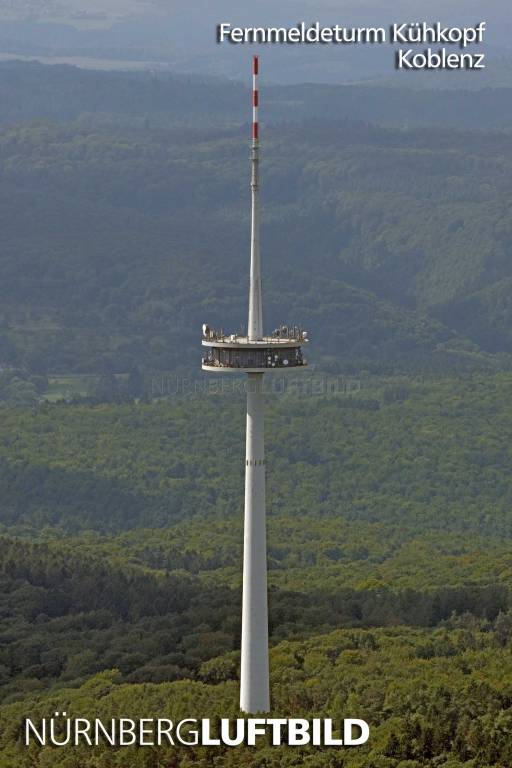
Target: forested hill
124 205
32 90
392 247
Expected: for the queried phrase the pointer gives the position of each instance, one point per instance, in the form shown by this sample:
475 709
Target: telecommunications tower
255 354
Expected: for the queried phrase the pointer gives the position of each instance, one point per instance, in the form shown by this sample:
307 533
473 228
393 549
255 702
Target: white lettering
41 737
298 732
350 741
254 728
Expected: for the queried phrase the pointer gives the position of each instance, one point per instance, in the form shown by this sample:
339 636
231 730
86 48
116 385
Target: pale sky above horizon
184 31
407 9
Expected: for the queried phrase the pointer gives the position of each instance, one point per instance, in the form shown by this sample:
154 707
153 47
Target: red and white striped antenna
255 323
255 98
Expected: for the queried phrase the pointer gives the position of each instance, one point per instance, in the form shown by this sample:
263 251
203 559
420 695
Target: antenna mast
255 324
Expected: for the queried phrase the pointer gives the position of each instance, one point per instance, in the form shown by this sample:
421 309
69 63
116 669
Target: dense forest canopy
121 549
423 455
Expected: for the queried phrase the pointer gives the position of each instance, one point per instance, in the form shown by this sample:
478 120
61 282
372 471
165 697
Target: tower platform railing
236 352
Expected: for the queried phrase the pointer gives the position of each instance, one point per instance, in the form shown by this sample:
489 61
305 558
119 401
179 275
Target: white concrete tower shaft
254 674
254 682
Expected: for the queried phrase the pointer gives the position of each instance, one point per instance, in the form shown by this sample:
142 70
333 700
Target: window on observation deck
254 358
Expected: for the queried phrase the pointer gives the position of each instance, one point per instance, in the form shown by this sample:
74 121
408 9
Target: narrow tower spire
255 323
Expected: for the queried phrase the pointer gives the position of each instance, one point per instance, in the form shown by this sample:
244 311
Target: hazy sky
182 32
267 11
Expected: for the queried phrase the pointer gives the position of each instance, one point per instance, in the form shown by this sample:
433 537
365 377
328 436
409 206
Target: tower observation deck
282 349
254 353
